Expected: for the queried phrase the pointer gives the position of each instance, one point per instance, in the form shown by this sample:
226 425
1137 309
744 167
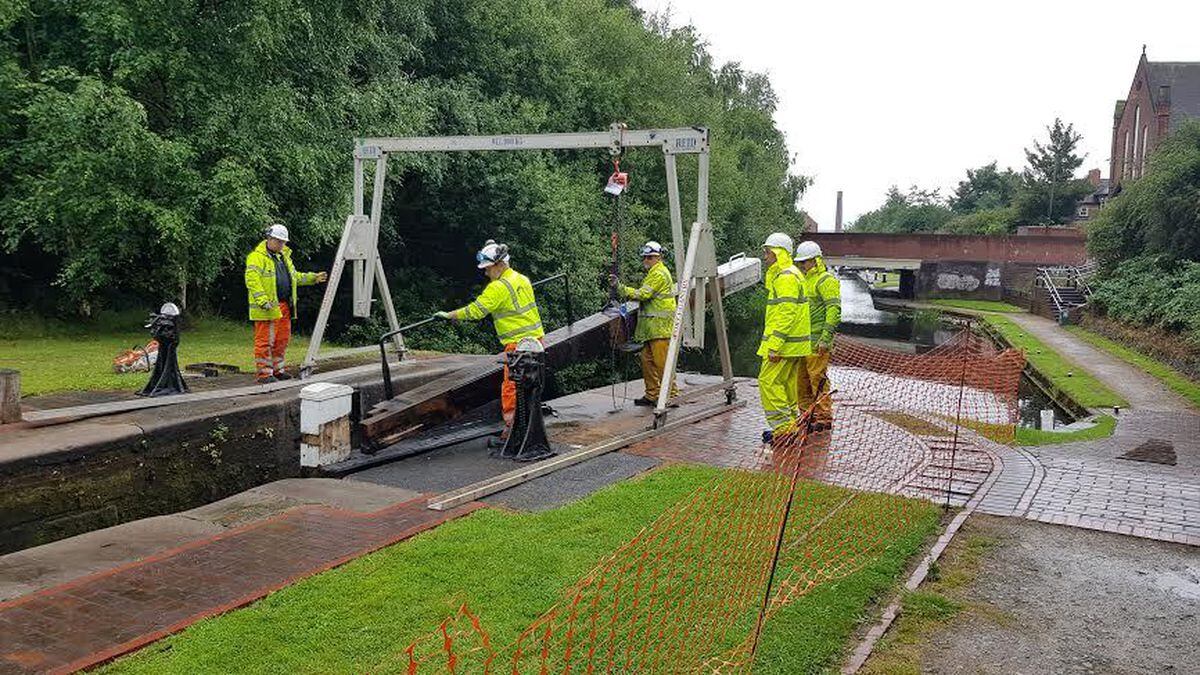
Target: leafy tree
208 120
917 210
1159 213
985 188
1048 192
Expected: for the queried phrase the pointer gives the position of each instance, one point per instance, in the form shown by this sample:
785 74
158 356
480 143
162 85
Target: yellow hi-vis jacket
260 283
510 302
656 311
785 329
824 293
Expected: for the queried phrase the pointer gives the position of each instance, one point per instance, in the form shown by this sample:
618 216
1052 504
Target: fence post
10 396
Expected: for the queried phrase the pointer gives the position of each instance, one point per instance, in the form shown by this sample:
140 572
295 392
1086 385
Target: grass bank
1104 427
510 567
978 305
56 356
1175 380
1073 380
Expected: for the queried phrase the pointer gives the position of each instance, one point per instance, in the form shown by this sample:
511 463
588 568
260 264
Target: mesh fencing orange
694 590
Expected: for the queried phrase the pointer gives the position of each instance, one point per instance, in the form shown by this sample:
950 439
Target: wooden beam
470 493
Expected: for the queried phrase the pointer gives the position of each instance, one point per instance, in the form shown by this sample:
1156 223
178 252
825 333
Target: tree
917 210
1048 191
135 127
985 188
1158 214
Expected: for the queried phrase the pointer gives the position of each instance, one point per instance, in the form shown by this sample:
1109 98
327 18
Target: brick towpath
98 617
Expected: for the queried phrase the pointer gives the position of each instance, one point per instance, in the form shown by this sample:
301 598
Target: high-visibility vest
656 298
785 326
260 283
509 301
824 293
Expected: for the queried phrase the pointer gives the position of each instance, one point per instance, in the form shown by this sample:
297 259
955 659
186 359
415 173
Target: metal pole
676 228
677 328
962 385
722 339
697 332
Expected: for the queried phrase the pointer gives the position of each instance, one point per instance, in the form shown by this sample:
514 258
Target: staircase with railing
1061 291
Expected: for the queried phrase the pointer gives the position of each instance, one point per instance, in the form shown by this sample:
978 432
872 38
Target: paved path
1134 385
98 617
1093 484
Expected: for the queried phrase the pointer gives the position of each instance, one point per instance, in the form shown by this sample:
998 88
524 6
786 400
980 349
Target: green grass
1175 380
936 604
1066 375
979 305
1105 425
887 280
509 567
55 356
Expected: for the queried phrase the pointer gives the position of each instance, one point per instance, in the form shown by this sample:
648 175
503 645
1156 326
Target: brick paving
99 617
1086 485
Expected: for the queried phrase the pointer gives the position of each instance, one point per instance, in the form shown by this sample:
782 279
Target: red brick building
1161 96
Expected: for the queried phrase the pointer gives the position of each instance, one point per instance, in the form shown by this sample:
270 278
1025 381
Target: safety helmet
277 231
651 248
806 250
778 240
491 253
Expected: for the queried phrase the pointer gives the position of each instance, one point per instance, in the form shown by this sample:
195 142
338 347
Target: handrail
387 371
566 277
1058 301
388 391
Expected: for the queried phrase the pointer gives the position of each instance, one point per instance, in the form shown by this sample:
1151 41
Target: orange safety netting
695 589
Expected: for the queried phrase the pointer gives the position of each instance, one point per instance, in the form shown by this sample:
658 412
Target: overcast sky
880 93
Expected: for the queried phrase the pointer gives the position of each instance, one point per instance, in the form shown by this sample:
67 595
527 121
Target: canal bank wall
66 479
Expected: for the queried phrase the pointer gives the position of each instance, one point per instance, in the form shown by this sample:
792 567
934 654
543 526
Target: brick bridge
955 265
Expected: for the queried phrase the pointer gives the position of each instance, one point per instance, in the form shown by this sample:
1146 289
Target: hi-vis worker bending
786 335
656 316
824 293
272 314
510 302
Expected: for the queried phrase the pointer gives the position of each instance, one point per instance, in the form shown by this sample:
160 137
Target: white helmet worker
807 250
491 253
651 248
277 231
778 240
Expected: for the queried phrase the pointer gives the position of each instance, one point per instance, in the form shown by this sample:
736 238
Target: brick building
1161 96
1089 206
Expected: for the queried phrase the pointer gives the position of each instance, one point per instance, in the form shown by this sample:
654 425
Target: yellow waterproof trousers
777 389
811 383
654 361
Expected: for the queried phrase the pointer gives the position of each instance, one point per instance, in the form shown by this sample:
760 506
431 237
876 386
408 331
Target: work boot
282 375
767 436
270 379
644 402
497 442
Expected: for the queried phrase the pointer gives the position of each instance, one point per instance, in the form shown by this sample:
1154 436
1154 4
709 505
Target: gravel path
1053 599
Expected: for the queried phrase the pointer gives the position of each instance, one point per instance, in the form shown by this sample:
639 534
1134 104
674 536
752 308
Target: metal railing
1048 280
389 392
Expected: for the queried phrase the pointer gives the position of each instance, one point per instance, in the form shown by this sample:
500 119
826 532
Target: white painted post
1047 420
10 396
324 423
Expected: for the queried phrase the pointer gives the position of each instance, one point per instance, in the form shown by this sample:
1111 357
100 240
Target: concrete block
323 402
324 423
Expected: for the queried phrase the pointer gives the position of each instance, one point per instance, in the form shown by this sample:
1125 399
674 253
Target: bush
1153 291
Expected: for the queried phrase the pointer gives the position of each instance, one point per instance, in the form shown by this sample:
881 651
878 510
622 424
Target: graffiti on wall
993 277
950 281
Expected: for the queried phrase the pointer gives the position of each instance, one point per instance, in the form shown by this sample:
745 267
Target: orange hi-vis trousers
270 343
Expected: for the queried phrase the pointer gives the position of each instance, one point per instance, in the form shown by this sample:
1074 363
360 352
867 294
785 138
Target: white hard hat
491 253
277 231
807 250
651 248
169 309
778 240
